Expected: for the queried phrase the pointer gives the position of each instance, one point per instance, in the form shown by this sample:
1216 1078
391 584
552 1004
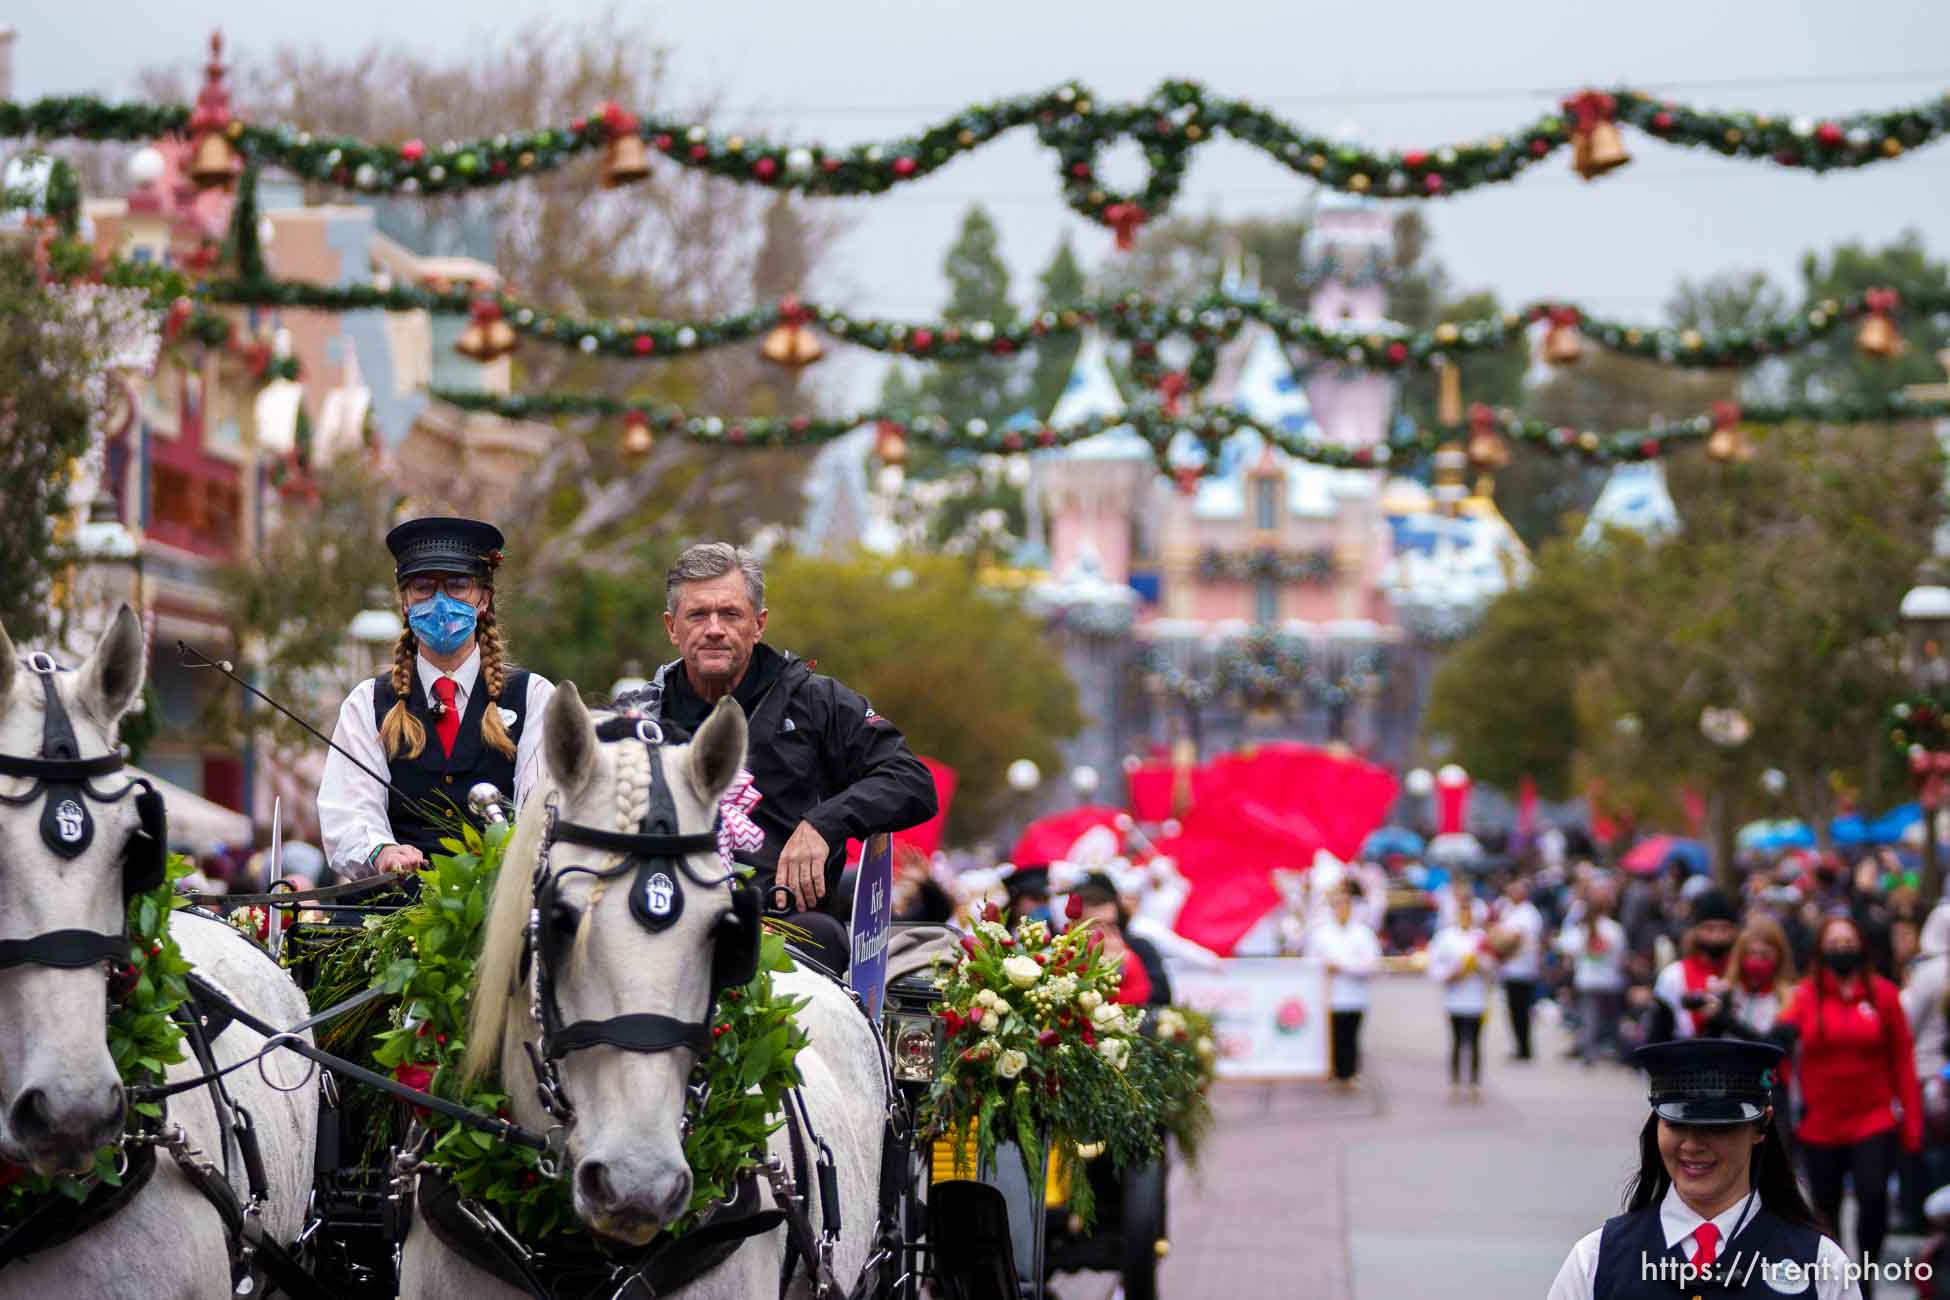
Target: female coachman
451 713
1714 1210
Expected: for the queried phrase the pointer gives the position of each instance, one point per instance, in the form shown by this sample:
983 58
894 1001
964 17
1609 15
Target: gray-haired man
828 767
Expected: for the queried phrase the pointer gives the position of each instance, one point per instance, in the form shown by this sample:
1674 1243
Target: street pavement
1397 1191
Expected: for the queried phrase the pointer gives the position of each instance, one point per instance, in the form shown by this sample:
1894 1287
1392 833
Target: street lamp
1926 618
378 631
1727 729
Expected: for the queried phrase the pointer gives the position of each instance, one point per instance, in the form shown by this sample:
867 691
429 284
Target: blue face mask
442 624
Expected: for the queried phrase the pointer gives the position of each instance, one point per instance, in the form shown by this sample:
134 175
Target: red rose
415 1076
1047 1038
992 913
968 944
1073 907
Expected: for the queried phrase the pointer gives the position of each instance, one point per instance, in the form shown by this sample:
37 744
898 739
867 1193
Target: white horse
60 1096
625 1151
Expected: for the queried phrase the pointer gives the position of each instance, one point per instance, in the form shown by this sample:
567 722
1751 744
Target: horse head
636 925
61 870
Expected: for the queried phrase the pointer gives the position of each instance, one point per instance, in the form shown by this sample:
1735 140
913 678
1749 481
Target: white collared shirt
1679 1222
352 818
1353 949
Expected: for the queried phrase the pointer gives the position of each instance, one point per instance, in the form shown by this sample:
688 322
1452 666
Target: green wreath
425 953
143 1041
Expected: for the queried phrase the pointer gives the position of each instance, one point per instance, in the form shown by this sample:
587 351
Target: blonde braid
400 729
494 674
632 777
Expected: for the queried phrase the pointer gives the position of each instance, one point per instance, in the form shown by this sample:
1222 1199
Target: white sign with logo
1269 1015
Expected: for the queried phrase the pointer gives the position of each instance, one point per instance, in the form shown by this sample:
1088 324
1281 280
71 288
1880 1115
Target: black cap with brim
1709 1081
1027 882
443 544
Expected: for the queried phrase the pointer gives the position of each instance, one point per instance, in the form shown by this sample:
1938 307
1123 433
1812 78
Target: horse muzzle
631 1200
57 1128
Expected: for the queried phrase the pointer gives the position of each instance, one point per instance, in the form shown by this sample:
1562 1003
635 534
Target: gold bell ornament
625 157
791 343
213 159
1877 335
1489 450
890 443
488 336
1728 443
1596 145
637 438
1563 345
1448 399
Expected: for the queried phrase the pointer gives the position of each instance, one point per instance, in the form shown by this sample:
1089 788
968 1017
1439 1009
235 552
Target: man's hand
802 866
398 859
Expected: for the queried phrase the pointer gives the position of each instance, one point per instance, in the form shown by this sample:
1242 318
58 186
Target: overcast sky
1406 75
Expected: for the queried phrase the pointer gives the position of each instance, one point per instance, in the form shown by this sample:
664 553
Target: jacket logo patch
786 726
508 716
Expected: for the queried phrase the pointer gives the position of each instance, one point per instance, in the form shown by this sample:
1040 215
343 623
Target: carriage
310 1206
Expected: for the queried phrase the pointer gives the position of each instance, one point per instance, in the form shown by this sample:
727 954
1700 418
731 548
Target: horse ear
112 677
568 741
718 750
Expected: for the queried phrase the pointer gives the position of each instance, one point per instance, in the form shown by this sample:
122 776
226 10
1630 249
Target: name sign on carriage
873 918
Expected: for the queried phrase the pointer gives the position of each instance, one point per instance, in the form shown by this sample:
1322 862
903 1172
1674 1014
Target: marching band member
449 714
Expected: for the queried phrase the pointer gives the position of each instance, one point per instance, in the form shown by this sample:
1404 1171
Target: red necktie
1707 1251
448 727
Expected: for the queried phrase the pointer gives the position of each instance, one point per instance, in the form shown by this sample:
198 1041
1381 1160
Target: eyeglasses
459 586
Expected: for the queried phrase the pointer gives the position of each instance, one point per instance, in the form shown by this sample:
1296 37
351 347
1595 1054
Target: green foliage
1186 257
1779 597
1834 366
962 669
47 355
1036 1047
985 388
143 1039
1063 283
591 625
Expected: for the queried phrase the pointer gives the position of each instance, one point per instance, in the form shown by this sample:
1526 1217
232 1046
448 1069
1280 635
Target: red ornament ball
700 152
1397 353
663 143
1787 158
829 165
1662 121
905 166
1433 182
1830 134
413 150
1539 147
765 168
1414 158
1650 449
921 340
1045 437
644 345
1080 170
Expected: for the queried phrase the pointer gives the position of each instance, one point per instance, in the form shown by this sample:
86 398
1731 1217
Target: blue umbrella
1391 840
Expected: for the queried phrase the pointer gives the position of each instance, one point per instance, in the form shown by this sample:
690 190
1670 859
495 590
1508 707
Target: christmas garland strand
1186 444
1168 125
1145 322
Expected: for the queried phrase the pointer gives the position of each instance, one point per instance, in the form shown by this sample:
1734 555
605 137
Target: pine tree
978 289
1063 284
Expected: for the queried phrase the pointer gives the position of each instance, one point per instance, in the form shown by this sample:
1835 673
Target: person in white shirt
1714 1207
1518 938
451 713
1461 961
1595 946
1351 953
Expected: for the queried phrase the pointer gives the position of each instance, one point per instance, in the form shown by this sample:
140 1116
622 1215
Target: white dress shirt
1449 952
1355 953
1679 1222
1602 971
1523 919
352 818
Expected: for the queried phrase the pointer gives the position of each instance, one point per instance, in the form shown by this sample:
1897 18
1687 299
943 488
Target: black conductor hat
443 544
1710 1080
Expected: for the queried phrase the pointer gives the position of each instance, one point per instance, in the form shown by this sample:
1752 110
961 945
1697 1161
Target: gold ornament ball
1494 143
1733 135
736 144
1194 131
1097 198
1691 340
1892 146
1447 332
1316 162
525 160
1083 106
1588 440
1634 337
1161 1247
965 138
1358 183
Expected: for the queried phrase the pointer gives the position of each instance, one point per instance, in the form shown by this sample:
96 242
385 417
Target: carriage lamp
912 1044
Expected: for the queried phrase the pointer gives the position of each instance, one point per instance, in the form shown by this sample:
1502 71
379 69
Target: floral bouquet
1038 1053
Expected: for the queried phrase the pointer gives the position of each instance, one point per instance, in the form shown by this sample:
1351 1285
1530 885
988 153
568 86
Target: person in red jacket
1858 1079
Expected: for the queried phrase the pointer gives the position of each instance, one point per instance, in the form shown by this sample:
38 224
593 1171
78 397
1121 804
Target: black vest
441 781
1634 1262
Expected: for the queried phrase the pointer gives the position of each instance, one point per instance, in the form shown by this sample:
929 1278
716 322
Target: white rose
1090 1000
990 1019
1022 971
1011 1063
1207 1049
1116 1051
1171 1024
986 997
1108 1015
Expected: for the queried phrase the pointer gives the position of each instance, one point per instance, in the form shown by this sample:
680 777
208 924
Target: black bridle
63 781
659 854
